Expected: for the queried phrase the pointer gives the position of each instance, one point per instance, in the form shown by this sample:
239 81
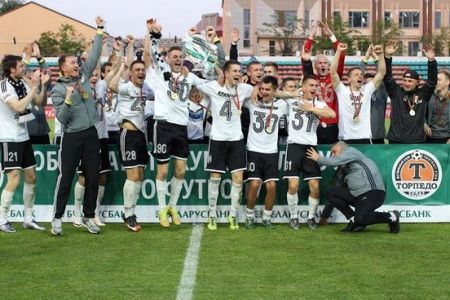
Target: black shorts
226 154
296 163
133 149
18 156
170 140
105 165
262 166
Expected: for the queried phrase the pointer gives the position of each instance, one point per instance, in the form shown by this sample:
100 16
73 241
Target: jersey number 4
225 111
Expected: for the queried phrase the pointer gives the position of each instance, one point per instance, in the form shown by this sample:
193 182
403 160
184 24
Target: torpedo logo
417 174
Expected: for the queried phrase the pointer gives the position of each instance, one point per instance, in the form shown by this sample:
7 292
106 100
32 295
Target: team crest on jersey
325 92
417 174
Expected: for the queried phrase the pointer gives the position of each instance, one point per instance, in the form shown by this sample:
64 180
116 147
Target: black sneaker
350 226
131 223
312 223
394 226
358 228
293 223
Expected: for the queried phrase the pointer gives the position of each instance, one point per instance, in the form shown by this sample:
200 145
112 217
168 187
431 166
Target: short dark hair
309 77
135 62
229 63
350 71
173 48
252 63
271 64
9 62
286 80
103 66
272 80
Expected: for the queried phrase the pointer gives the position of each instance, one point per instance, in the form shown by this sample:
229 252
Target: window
246 39
437 19
387 19
271 48
336 14
408 19
413 48
306 19
358 19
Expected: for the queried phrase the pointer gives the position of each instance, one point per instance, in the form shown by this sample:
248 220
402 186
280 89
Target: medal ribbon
357 103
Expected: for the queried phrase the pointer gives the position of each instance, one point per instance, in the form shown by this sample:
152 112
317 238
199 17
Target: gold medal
324 125
174 96
85 95
412 113
269 129
356 119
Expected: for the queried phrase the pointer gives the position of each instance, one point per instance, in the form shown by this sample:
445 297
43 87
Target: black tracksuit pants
364 205
85 146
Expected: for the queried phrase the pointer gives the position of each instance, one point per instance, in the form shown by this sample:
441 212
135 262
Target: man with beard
355 100
328 130
131 97
408 101
16 96
226 145
437 127
74 102
171 115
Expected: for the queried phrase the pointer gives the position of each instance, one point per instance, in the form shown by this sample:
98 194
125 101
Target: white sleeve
7 92
100 88
196 80
207 88
247 90
321 104
369 88
122 87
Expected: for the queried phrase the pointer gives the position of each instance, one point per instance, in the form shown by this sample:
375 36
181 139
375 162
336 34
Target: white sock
236 191
161 190
101 193
352 219
78 195
267 215
137 193
292 201
313 204
250 213
213 194
175 189
28 201
128 194
393 217
6 200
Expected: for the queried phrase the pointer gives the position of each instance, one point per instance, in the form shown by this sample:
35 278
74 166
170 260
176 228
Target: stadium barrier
416 179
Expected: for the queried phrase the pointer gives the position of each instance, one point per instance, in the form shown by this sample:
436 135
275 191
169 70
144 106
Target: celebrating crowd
194 95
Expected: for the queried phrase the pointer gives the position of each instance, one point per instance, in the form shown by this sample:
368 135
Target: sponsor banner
199 213
413 175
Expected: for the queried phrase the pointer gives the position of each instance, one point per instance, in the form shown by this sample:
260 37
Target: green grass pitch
243 264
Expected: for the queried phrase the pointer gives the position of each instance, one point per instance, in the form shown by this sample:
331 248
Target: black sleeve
428 89
389 82
307 68
234 55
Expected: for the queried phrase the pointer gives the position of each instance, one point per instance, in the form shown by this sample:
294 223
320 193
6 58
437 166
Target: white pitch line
187 282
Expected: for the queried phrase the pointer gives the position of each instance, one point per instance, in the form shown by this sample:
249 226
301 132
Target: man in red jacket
327 132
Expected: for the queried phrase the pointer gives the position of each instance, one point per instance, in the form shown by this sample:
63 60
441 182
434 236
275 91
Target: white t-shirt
263 132
58 128
101 89
224 102
348 128
10 128
302 126
197 116
131 101
171 106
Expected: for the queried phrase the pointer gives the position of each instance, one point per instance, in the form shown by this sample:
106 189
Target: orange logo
417 174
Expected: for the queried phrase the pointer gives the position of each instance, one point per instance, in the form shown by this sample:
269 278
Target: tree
7 5
342 32
438 41
66 41
285 30
388 32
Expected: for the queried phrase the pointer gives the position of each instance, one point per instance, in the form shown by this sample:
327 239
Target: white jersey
131 102
350 128
197 116
58 128
171 95
264 123
11 128
101 89
226 109
302 126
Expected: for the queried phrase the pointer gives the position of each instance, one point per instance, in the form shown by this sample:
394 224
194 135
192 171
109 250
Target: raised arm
430 85
212 37
335 41
155 34
381 71
234 54
114 84
41 98
307 66
130 55
335 80
96 50
389 81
